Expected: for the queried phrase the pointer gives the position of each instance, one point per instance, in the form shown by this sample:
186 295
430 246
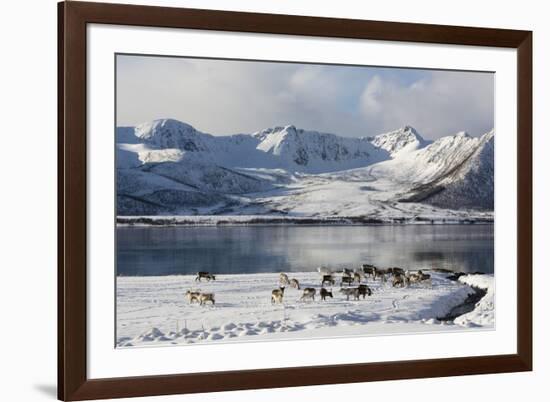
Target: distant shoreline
213 220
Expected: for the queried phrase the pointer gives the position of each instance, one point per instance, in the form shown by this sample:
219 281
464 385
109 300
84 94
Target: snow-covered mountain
169 167
285 148
399 142
314 152
468 184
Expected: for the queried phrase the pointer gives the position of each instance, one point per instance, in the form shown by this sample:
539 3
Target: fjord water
145 251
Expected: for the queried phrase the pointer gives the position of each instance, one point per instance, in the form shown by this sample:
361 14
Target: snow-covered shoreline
154 311
218 220
484 311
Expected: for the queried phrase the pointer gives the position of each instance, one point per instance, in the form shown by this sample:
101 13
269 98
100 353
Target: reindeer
206 275
357 277
418 277
422 277
277 295
382 274
396 271
283 279
324 293
329 279
364 290
350 292
206 297
192 296
411 278
309 293
346 279
398 280
294 283
369 269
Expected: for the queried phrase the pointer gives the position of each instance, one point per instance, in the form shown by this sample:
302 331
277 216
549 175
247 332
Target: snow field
154 310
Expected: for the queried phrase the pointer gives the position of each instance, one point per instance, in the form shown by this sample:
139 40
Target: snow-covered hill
167 167
469 184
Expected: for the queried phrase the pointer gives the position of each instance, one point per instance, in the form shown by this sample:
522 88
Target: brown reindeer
346 279
369 269
364 290
398 280
205 275
324 293
328 279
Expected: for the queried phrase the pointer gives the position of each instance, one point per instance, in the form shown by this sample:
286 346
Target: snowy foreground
154 311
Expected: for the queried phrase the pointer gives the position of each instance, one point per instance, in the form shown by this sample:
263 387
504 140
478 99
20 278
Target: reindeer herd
348 278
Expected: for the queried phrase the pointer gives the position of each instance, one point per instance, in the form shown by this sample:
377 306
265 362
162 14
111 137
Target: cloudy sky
228 97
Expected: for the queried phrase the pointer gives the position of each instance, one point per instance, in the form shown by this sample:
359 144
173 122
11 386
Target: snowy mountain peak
405 139
489 136
170 133
315 151
410 129
290 128
463 134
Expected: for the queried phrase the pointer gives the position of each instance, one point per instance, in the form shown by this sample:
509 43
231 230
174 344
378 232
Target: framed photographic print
254 200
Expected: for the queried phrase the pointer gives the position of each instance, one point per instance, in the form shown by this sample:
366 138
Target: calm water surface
251 249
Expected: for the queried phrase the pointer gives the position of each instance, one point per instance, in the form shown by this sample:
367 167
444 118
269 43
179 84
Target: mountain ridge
284 170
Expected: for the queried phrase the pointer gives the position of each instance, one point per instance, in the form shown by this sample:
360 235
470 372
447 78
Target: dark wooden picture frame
73 17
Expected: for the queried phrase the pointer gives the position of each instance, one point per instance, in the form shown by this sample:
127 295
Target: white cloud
223 97
440 104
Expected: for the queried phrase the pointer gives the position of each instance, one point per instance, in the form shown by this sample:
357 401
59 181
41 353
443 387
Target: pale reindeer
192 296
418 277
309 293
277 295
283 279
206 297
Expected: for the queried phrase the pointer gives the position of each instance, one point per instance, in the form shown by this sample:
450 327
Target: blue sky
227 96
